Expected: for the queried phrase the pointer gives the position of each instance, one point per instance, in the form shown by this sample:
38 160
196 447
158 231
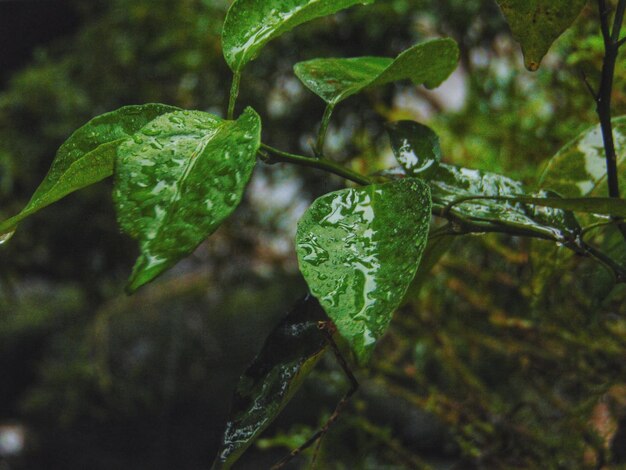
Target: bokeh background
511 354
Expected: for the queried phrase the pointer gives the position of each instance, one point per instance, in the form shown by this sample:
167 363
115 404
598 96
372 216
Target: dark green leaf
250 24
593 205
87 156
415 146
178 179
359 249
289 354
450 184
334 80
579 168
536 24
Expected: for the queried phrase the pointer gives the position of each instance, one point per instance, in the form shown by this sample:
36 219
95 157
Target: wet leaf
290 352
416 147
87 156
177 180
592 205
536 24
450 183
250 24
334 80
359 249
579 168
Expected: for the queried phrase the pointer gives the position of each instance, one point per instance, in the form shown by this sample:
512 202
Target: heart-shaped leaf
289 354
416 147
334 80
359 249
177 179
536 24
579 168
250 24
87 156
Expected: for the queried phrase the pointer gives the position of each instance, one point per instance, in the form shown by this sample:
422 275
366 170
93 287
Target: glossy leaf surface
579 168
536 24
87 156
592 205
450 184
359 249
178 179
250 24
334 80
416 147
290 352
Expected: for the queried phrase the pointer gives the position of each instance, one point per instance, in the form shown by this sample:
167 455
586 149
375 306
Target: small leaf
359 249
334 80
536 24
289 354
250 24
579 168
178 179
87 156
415 146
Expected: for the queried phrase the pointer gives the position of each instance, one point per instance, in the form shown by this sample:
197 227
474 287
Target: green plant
179 174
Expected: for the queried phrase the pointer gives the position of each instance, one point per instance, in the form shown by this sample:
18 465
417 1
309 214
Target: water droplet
151 131
231 199
137 139
5 237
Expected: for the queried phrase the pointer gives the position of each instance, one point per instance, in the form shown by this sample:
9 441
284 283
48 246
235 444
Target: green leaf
473 194
416 147
87 156
177 180
536 24
289 354
250 24
334 80
359 249
450 184
611 207
579 168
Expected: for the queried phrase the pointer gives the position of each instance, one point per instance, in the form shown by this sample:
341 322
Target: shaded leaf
334 80
359 249
451 184
536 24
250 24
579 168
177 180
416 147
290 352
87 156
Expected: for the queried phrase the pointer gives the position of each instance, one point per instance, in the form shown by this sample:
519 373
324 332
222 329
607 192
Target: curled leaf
428 63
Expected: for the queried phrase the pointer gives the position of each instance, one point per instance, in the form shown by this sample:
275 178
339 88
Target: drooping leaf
290 352
359 249
177 179
334 80
579 168
250 24
87 156
416 147
536 24
450 184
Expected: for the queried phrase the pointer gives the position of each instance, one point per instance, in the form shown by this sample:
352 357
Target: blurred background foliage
510 354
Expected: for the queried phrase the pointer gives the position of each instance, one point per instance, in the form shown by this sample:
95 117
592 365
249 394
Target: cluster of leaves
179 174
